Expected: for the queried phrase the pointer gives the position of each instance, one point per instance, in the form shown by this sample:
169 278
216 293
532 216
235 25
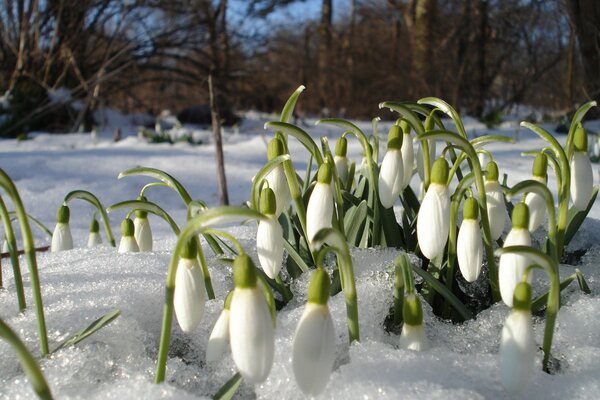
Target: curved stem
148 206
9 236
151 185
93 200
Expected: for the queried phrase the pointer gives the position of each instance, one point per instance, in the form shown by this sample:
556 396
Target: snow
117 362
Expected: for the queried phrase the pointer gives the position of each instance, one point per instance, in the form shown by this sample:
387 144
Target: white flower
190 294
496 208
433 221
469 249
537 210
512 266
391 177
341 167
408 159
278 182
413 338
128 245
61 238
251 334
94 239
313 351
143 233
269 245
517 351
582 180
320 209
219 338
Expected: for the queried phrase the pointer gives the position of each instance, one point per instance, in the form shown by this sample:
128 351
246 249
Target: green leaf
540 302
392 231
405 111
36 222
483 140
228 390
350 127
90 330
288 108
444 292
576 217
582 283
354 219
304 138
295 256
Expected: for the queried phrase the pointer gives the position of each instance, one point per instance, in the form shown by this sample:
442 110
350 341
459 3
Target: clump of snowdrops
333 206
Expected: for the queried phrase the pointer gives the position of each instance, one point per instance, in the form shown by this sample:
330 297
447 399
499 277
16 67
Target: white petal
219 338
190 294
433 221
143 233
320 210
537 210
269 246
413 338
582 180
512 266
517 351
469 249
61 238
408 159
251 335
391 176
341 166
278 183
128 245
94 239
313 349
5 246
496 208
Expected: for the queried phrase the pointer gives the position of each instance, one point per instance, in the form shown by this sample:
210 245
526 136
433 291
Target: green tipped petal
522 297
341 147
190 250
492 171
127 228
471 209
412 311
275 148
268 202
63 215
244 272
580 139
318 289
395 138
227 303
94 226
540 165
520 216
324 175
404 126
141 213
439 171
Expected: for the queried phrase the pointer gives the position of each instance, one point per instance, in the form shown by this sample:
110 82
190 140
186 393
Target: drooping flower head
413 335
276 178
94 238
269 236
320 205
582 178
61 238
128 243
391 175
408 153
313 351
433 221
469 246
496 207
251 332
143 232
517 345
190 291
219 337
535 202
340 160
512 266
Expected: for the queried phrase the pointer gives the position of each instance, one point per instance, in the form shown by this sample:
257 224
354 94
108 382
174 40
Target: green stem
9 236
89 197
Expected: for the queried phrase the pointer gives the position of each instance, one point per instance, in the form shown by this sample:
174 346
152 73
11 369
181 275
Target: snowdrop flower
269 236
128 243
496 208
219 337
276 178
391 175
512 266
313 351
582 178
433 221
469 247
517 345
340 160
190 292
413 335
421 162
320 205
61 238
143 232
408 154
251 332
535 202
94 238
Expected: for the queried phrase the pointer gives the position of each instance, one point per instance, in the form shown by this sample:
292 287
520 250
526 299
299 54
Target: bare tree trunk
570 79
216 127
325 47
423 44
481 13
